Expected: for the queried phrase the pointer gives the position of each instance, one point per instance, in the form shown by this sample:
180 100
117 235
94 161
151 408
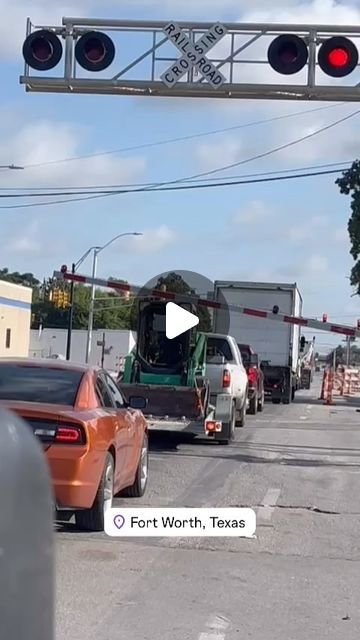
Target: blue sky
290 231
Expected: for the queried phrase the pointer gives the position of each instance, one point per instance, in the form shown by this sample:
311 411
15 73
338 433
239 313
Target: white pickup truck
227 374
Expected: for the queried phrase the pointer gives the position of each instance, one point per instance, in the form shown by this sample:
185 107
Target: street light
14 167
96 251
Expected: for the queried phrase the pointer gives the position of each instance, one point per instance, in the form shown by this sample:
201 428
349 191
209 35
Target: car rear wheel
231 429
139 487
253 406
94 519
242 417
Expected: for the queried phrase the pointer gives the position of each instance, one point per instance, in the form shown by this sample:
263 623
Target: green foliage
349 184
111 311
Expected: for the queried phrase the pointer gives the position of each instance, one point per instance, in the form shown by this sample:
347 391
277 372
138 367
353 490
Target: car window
30 383
219 347
103 393
245 354
115 392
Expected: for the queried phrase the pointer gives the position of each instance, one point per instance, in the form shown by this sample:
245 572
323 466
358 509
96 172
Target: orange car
95 443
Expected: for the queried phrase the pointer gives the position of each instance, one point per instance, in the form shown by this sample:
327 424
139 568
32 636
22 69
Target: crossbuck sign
194 55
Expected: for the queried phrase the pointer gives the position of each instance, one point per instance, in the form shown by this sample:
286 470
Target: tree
349 184
340 356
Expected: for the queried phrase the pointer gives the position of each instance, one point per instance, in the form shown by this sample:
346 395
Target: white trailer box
274 342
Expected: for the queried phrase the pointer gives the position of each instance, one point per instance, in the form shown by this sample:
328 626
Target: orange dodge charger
96 444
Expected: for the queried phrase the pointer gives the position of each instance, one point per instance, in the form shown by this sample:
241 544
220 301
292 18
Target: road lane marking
303 417
268 505
217 626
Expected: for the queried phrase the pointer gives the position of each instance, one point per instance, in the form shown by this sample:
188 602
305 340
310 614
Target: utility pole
348 347
92 304
71 314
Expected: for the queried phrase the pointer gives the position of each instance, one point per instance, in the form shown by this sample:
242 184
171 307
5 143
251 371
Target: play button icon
178 320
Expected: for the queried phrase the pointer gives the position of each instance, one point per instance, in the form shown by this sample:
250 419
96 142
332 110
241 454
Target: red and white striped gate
122 287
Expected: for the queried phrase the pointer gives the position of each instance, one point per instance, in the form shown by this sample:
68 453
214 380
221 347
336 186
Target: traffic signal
275 310
337 56
43 50
324 318
95 51
358 324
302 343
288 54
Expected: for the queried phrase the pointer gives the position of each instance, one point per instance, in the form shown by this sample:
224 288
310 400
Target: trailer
278 345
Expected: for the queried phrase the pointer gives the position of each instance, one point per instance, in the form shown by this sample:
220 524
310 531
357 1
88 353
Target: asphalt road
298 466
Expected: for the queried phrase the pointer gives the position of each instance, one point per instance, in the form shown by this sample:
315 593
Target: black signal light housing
288 54
42 50
95 51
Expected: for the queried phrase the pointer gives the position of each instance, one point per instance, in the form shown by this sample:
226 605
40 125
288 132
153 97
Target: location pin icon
119 521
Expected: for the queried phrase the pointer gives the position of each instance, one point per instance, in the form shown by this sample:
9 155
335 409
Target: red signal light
95 51
288 54
324 318
338 57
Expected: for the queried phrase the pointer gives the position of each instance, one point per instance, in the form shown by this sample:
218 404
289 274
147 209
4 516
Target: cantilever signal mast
193 59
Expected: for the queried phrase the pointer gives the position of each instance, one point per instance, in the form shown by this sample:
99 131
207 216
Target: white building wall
15 319
53 341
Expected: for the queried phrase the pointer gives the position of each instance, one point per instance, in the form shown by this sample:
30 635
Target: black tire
231 429
276 400
253 406
261 403
138 489
93 519
241 422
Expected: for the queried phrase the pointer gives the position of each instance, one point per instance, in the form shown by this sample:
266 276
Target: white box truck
276 343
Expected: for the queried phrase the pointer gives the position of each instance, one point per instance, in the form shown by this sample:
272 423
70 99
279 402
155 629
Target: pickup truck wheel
261 402
241 421
253 406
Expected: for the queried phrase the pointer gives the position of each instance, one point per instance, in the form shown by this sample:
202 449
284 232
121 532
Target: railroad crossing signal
309 53
194 55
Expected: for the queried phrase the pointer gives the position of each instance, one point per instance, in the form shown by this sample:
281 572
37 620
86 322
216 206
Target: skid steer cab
171 374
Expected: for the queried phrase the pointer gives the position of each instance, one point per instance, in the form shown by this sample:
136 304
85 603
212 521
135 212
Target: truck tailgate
174 402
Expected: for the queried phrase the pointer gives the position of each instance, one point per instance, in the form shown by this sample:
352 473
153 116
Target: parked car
95 443
255 375
226 373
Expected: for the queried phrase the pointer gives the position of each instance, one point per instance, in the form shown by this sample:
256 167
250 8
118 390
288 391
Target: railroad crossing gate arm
309 323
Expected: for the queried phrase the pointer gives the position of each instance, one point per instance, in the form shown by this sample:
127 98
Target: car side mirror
137 402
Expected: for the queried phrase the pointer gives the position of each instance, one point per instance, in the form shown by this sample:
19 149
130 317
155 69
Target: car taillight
252 374
226 379
69 435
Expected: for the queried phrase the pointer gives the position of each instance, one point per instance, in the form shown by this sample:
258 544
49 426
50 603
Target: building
51 342
15 319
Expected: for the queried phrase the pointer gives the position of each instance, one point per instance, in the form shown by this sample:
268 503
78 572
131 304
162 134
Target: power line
259 174
184 138
168 185
163 188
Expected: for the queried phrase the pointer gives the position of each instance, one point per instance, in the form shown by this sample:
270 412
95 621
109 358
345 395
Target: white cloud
317 264
211 156
308 231
252 213
47 142
26 240
152 241
341 236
